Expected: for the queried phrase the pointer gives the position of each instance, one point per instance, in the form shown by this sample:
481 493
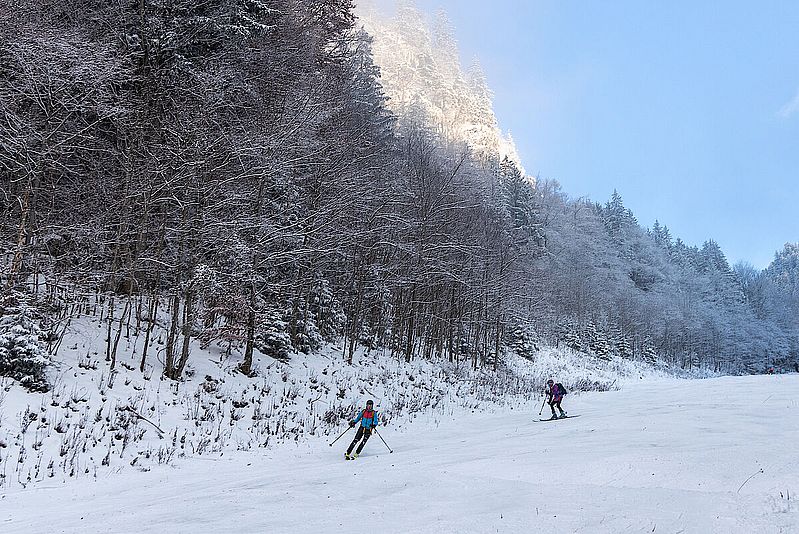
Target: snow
659 455
421 72
94 420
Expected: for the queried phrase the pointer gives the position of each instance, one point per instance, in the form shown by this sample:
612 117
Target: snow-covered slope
716 455
95 420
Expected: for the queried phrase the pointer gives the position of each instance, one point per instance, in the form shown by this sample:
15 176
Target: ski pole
542 405
384 441
338 438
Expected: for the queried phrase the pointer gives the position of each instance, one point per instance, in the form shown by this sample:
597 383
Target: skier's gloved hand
352 424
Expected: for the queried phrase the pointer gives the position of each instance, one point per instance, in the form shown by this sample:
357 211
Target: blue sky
689 108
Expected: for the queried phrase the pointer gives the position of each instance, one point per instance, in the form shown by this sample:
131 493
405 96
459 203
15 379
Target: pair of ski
558 418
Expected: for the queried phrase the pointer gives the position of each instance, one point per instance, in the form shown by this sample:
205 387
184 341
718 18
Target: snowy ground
94 420
717 455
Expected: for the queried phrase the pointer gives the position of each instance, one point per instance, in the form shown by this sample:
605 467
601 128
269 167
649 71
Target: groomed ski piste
718 455
238 454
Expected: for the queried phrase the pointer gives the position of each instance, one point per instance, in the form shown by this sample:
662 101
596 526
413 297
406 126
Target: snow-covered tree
524 341
23 356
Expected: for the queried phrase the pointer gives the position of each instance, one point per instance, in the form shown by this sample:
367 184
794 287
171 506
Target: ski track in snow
662 456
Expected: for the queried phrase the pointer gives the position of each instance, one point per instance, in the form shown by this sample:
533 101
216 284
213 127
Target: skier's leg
562 413
358 435
552 407
366 435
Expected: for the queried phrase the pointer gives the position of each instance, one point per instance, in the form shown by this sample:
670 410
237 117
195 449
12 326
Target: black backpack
561 389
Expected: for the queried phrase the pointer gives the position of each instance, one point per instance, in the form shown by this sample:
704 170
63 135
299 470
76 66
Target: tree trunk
169 364
22 237
246 366
125 311
497 344
188 321
108 329
150 324
411 306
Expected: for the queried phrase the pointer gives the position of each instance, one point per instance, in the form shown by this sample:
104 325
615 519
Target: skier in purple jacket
555 393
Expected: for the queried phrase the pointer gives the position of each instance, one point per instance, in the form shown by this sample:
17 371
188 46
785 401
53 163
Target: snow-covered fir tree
23 356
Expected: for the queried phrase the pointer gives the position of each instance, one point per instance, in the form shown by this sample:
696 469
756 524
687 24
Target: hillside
658 456
94 421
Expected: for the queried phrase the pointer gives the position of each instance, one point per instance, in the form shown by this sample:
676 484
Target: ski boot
562 414
554 416
347 456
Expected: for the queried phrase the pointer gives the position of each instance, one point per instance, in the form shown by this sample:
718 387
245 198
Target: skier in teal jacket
368 420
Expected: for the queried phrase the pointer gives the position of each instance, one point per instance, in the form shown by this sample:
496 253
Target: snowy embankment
95 421
660 455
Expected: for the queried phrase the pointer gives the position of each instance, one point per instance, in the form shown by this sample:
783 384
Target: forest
272 176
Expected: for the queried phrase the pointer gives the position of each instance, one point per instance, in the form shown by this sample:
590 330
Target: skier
555 393
368 419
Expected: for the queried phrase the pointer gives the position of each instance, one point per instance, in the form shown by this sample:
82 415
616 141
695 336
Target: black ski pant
364 433
555 402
